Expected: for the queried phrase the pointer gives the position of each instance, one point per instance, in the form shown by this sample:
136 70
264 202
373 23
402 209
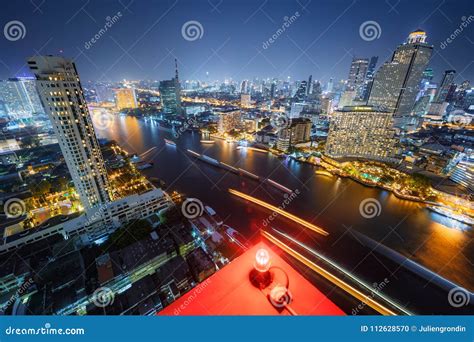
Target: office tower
463 172
245 100
330 85
125 98
300 95
369 78
20 97
309 89
362 132
357 75
61 93
316 90
428 75
445 86
272 91
326 105
397 81
228 120
244 89
170 94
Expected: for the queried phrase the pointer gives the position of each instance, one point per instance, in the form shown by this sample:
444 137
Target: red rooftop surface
229 291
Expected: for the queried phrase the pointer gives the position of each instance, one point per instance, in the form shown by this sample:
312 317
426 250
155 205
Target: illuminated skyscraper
20 97
357 75
170 94
445 86
125 98
300 94
61 93
228 120
396 83
369 77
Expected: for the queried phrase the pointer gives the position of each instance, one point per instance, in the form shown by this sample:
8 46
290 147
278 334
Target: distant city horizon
141 41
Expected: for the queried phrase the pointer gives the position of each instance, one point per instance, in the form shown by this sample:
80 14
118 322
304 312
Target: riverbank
451 202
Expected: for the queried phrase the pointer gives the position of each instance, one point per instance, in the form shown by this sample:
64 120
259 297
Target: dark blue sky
144 41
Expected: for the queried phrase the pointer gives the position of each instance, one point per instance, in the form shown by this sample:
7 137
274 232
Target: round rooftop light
262 260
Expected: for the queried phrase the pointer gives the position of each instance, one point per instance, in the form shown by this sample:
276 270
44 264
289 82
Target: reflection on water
330 202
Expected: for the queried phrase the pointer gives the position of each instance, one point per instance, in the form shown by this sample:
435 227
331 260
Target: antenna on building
176 69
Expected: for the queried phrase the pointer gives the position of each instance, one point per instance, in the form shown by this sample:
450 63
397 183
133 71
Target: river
438 243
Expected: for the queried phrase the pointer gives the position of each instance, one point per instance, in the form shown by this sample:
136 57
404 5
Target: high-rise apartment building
362 132
299 131
396 83
62 96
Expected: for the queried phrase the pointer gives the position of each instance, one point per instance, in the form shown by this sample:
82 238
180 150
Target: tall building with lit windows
125 98
61 93
20 98
396 83
445 86
357 75
170 95
361 132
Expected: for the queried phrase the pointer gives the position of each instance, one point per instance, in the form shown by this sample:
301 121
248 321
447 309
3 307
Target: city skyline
144 39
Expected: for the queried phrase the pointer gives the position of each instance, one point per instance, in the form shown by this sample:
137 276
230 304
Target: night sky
144 41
